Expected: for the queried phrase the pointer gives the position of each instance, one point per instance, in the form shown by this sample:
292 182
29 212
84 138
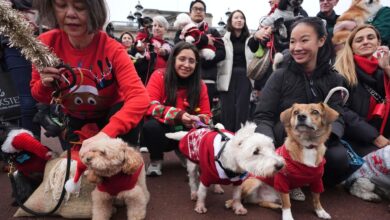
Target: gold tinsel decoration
20 34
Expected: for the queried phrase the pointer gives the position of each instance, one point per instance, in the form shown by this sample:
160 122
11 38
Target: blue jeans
20 71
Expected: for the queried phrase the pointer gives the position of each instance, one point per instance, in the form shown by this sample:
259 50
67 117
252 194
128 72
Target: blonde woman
364 64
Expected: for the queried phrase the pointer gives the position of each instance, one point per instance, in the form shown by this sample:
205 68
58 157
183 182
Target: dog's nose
279 166
89 159
301 117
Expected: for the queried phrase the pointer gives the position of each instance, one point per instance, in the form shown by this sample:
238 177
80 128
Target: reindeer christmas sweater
201 146
105 76
295 175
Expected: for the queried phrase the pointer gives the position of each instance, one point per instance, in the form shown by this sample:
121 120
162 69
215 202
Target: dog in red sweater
225 158
308 126
118 170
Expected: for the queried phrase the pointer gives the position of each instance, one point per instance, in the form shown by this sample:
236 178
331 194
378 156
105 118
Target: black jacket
356 110
209 67
288 85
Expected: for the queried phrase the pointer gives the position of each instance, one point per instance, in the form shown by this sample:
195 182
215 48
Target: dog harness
201 146
295 175
119 182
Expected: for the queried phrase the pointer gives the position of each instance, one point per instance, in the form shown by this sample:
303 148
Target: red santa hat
87 131
73 184
23 140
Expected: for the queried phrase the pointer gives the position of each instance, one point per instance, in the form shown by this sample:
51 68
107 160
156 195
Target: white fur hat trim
7 145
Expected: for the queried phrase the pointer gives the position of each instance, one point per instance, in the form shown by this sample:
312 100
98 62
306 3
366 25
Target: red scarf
369 66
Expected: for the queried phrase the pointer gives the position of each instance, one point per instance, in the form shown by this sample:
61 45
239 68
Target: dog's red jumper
201 146
295 175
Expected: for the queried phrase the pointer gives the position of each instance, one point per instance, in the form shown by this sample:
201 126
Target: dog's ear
285 116
133 160
331 115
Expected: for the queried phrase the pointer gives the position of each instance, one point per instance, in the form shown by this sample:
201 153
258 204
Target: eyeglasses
191 61
197 9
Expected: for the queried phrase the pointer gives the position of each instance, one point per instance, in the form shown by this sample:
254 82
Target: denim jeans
20 71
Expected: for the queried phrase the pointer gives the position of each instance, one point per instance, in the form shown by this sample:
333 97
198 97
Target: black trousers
235 102
153 137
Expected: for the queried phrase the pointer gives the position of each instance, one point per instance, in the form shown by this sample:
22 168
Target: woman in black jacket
367 78
306 76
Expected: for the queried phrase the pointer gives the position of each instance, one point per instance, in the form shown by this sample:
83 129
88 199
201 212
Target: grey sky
253 9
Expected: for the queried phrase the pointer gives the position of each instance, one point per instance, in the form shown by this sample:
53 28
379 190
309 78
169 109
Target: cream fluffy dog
119 173
225 160
308 126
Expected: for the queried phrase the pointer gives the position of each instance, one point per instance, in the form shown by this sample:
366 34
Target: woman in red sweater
178 100
108 91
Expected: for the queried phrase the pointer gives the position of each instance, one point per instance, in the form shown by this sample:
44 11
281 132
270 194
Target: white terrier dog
372 177
224 158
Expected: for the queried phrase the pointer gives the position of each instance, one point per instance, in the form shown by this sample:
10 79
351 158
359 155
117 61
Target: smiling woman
105 79
179 100
305 76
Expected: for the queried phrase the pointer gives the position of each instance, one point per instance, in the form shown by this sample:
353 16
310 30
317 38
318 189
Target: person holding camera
151 50
365 66
104 89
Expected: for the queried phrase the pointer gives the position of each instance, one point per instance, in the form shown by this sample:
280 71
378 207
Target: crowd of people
143 86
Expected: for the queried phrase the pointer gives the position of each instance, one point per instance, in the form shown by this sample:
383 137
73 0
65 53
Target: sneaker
154 168
182 158
143 150
297 195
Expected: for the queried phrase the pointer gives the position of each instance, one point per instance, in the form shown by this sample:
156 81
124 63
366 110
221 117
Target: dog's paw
321 213
218 189
229 204
200 208
286 214
239 209
194 196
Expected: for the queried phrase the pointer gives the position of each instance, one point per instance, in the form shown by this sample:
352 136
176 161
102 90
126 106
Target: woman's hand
383 59
264 33
189 120
381 141
48 75
87 143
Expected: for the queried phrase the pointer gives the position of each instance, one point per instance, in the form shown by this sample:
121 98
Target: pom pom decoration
14 26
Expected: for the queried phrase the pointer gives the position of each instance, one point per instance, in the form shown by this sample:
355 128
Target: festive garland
14 26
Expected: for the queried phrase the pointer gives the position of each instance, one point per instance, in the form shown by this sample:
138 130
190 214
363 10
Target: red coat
201 146
295 175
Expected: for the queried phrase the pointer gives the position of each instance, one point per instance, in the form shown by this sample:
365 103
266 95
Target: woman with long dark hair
306 76
232 83
178 100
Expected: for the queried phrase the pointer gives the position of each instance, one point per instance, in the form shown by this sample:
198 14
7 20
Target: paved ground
170 199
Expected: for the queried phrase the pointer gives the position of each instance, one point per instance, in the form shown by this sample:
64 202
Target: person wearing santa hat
107 89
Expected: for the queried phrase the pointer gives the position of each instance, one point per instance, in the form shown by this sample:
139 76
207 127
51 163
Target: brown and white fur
359 12
306 125
246 151
105 159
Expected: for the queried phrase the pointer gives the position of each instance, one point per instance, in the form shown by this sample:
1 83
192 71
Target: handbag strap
374 94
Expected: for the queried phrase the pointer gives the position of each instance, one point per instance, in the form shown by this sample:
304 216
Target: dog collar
311 146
